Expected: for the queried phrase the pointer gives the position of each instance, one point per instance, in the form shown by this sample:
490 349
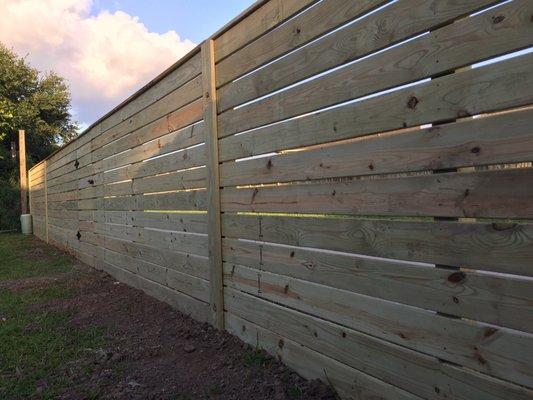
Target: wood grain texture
492 298
188 179
158 193
495 87
387 26
348 383
500 247
454 46
487 194
186 304
481 347
315 21
94 161
416 372
213 184
179 161
266 17
189 200
187 263
505 138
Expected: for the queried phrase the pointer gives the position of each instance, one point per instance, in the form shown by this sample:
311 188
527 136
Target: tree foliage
36 102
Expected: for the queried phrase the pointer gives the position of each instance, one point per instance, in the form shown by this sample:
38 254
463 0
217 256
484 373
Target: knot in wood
457 277
412 103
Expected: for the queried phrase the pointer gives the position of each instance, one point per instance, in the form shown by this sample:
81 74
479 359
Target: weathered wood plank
487 194
139 146
348 383
186 304
194 223
270 14
170 240
189 158
481 347
416 372
296 32
454 46
181 118
494 87
187 263
182 180
492 298
504 138
190 285
191 200
168 123
383 28
499 247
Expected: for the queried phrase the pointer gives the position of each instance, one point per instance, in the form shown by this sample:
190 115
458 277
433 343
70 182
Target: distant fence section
346 184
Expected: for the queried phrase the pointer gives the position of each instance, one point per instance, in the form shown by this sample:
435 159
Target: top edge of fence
129 99
42 161
250 10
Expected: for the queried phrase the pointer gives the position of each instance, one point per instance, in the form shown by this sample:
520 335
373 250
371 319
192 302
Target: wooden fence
346 184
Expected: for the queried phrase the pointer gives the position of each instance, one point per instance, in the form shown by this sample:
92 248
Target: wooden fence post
23 174
213 184
45 166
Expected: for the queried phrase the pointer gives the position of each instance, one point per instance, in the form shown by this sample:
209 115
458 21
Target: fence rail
347 185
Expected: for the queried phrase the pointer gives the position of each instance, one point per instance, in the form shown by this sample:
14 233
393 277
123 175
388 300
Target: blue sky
108 49
191 19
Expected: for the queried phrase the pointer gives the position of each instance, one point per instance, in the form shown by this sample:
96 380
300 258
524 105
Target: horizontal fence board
192 200
491 88
167 84
496 351
492 298
181 139
186 304
504 138
195 223
150 142
188 179
442 50
175 79
499 247
296 32
188 284
487 194
270 14
177 120
170 240
182 262
392 24
180 118
347 382
189 158
416 372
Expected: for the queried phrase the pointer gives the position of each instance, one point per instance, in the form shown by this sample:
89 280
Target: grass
37 344
256 357
22 259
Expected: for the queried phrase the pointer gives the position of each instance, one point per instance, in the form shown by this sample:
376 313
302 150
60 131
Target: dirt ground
148 350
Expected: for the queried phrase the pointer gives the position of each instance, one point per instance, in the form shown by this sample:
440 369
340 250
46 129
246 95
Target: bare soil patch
151 351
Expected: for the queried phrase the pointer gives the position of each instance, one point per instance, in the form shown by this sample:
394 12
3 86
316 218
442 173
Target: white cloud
104 57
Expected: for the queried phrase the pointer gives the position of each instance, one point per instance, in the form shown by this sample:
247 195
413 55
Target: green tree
38 103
